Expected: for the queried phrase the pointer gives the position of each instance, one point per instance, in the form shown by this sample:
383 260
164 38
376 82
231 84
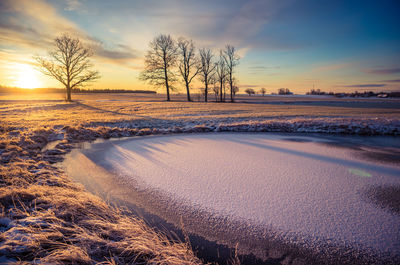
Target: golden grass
57 225
46 218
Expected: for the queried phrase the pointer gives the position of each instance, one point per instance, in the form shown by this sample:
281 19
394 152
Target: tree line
169 60
281 91
166 62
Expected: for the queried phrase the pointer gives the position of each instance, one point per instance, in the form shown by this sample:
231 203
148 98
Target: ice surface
301 188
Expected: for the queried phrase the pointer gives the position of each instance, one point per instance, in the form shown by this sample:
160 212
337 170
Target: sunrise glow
299 45
27 77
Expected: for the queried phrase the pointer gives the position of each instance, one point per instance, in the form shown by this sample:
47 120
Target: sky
338 46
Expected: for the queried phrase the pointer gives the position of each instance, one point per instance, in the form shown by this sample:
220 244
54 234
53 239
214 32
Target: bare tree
250 91
69 64
284 91
231 61
188 63
215 88
216 91
207 69
159 61
235 90
263 90
235 87
221 72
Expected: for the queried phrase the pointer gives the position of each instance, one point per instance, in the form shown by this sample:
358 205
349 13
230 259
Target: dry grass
46 218
65 224
58 225
99 108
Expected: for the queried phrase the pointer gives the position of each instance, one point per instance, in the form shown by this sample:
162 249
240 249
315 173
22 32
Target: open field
48 218
51 110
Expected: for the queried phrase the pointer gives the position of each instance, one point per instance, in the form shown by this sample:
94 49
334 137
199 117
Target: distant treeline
7 89
80 90
356 94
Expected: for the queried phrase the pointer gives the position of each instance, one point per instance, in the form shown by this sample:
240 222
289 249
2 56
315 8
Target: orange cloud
35 24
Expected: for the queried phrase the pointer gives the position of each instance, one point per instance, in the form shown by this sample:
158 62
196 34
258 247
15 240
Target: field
48 218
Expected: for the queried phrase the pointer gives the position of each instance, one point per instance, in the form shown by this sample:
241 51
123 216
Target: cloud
311 79
113 54
264 74
33 25
6 56
392 81
73 5
119 53
394 70
247 85
366 85
245 25
261 67
211 23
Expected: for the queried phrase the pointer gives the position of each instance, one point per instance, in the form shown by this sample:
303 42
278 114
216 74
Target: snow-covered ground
305 190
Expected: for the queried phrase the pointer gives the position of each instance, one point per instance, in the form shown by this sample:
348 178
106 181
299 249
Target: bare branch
159 61
88 77
221 72
189 65
207 69
231 60
69 64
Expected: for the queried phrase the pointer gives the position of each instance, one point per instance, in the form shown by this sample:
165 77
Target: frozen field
297 190
38 130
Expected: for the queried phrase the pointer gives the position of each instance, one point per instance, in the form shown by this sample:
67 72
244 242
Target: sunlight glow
359 172
27 77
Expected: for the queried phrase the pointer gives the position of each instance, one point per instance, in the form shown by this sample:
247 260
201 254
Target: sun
27 77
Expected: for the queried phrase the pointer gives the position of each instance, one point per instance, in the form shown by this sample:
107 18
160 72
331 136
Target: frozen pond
314 193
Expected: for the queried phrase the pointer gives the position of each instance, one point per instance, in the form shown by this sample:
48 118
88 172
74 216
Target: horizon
181 92
334 46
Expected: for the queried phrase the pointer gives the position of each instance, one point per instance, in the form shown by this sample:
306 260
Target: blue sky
333 45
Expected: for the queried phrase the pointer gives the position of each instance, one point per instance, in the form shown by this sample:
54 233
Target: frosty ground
282 189
46 217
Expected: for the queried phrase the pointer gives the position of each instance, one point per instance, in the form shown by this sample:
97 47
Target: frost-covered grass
47 218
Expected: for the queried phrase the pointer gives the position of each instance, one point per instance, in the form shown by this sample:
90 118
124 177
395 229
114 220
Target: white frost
301 189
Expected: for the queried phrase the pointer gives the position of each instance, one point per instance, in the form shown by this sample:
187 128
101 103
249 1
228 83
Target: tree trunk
224 92
69 93
166 82
168 99
231 94
188 92
231 85
205 91
68 85
220 91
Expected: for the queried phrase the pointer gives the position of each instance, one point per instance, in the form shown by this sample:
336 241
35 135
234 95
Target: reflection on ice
360 173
